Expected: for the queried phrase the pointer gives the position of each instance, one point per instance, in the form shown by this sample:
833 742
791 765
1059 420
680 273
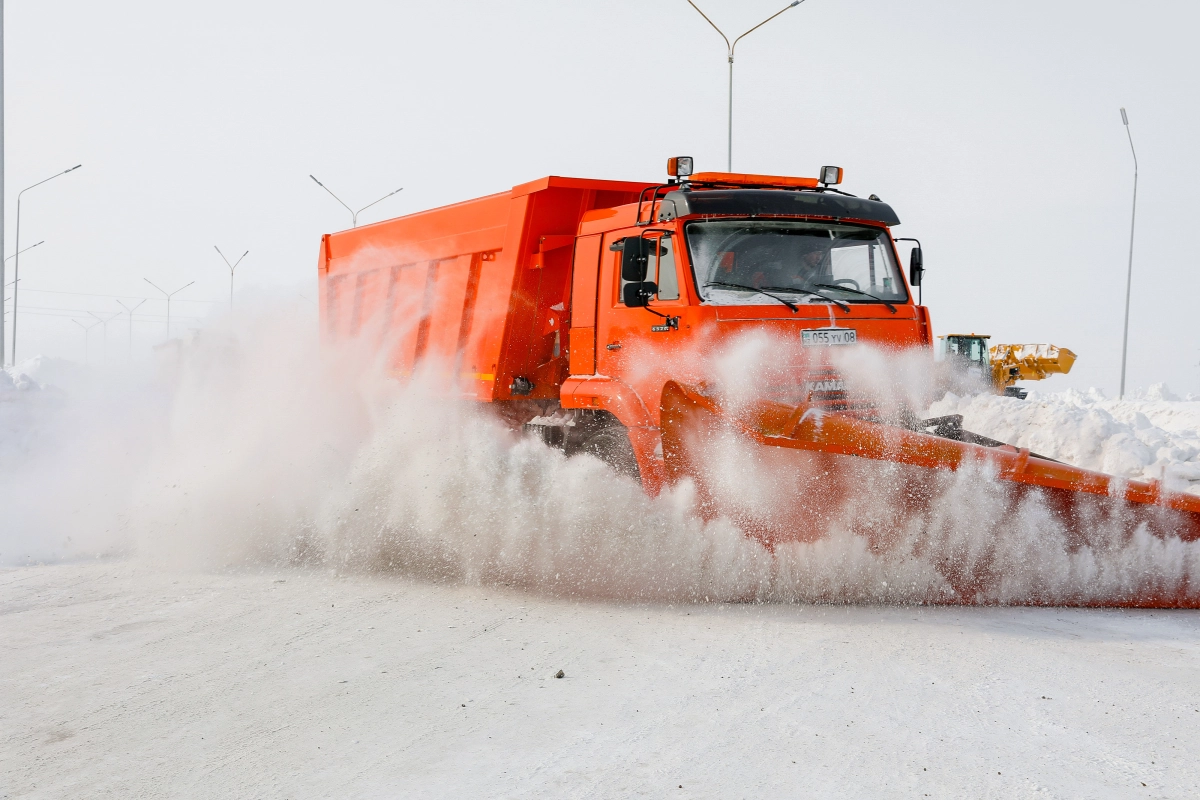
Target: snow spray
264 446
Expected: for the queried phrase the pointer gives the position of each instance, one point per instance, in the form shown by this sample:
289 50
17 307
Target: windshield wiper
754 289
837 303
890 307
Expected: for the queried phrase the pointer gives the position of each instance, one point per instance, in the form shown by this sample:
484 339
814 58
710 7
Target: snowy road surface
123 681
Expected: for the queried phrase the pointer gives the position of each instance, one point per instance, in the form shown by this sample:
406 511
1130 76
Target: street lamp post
168 295
87 329
354 214
232 267
130 311
17 263
730 48
1129 276
104 333
2 190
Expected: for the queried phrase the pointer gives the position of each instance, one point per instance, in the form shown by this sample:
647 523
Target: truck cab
661 284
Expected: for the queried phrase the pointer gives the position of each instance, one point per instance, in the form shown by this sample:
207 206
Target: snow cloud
260 444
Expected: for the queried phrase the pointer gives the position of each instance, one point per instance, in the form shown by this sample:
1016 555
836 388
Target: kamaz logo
831 385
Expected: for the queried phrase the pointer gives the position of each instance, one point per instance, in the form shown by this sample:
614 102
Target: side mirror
635 254
916 267
638 293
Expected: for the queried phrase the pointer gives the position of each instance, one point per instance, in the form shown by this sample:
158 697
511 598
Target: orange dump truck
518 298
587 311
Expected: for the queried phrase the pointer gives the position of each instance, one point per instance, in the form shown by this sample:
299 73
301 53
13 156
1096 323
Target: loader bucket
791 473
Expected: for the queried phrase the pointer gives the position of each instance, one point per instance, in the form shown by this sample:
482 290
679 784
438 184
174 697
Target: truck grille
824 388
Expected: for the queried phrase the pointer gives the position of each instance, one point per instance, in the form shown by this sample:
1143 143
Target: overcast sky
992 128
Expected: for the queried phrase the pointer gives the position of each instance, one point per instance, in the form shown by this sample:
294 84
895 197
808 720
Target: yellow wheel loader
1006 363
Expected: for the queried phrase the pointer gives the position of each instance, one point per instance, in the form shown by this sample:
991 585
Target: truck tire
611 445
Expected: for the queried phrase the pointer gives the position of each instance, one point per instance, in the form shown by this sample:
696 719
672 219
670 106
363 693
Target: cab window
665 275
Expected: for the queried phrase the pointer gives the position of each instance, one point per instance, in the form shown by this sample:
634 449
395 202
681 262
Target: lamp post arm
26 250
180 289
234 265
52 177
223 258
380 200
728 48
156 286
764 22
334 196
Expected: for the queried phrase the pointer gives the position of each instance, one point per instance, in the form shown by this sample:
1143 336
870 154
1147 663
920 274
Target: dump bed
474 293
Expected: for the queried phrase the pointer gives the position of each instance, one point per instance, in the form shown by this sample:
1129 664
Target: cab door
624 334
584 282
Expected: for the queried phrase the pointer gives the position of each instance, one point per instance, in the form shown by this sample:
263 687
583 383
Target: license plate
826 337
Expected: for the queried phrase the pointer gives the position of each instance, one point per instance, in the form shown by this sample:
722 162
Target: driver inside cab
813 268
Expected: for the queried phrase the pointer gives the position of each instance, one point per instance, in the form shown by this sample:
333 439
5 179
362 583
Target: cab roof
773 202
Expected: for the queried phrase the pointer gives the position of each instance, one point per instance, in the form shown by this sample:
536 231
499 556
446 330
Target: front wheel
611 445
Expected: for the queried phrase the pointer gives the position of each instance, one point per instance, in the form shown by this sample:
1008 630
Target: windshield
800 260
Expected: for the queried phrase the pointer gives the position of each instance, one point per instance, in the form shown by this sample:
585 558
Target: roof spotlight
831 176
679 166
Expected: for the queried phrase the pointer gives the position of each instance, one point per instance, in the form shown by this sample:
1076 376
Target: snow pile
14 379
41 372
1151 435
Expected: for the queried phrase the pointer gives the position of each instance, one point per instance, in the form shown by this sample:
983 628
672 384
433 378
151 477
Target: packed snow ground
122 681
309 587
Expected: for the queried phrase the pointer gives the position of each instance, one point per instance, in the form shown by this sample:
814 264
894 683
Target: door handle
614 346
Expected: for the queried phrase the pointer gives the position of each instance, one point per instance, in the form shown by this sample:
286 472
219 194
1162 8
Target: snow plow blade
792 473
